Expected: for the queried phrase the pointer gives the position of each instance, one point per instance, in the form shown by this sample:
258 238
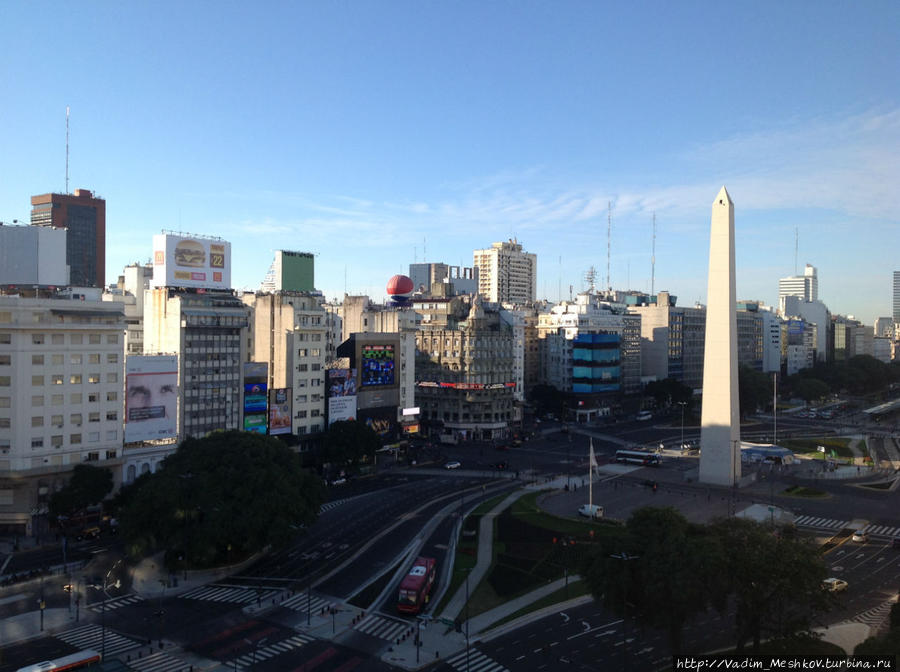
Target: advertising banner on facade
256 376
341 395
151 397
280 411
377 364
383 421
179 261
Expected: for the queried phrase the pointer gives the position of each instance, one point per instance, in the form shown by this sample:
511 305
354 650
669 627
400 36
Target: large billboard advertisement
341 395
383 421
179 261
280 411
151 397
256 376
377 364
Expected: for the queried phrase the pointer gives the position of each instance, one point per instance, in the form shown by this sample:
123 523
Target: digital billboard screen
256 375
377 365
151 397
280 411
179 261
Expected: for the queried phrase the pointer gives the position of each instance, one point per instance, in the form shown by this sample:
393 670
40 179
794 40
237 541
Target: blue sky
376 134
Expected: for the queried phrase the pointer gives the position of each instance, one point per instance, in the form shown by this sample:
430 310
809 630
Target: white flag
593 460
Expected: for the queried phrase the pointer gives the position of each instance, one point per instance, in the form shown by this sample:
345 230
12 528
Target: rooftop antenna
589 277
796 246
559 296
608 244
653 258
424 251
67 149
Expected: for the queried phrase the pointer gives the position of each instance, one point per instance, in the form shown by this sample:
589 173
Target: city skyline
375 137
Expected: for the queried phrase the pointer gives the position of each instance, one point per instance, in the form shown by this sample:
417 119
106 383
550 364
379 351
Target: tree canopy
347 443
754 390
88 485
669 391
662 571
220 497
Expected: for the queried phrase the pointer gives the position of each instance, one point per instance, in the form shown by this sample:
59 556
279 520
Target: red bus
416 586
75 661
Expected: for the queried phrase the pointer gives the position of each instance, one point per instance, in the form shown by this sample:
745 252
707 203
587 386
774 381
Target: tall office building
84 218
291 272
506 274
806 286
897 296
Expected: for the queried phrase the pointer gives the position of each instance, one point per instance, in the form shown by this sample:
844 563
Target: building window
301 414
56 421
92 457
5 381
75 397
56 380
56 400
5 360
112 435
58 339
94 358
76 339
5 339
93 339
37 381
4 423
112 396
37 360
112 338
93 437
37 442
56 440
112 377
75 419
75 379
56 360
94 417
75 359
37 339
110 454
302 352
75 439
92 398
112 357
37 421
112 415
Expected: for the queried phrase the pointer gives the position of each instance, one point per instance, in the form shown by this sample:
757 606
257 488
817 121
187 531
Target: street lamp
682 404
105 587
255 647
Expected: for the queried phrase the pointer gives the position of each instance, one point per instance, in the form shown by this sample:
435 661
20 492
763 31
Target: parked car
860 537
590 510
834 585
644 415
452 464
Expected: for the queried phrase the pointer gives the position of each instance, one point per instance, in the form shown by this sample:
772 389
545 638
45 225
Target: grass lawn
839 445
575 589
799 491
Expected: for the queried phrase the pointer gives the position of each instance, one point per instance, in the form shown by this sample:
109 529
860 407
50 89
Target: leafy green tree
348 442
887 644
89 485
657 572
669 391
547 399
754 390
810 389
219 498
775 582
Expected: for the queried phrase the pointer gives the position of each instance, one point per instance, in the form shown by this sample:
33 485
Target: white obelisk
720 432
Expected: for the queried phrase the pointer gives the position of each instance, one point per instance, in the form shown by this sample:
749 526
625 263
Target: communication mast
608 245
67 149
653 258
590 277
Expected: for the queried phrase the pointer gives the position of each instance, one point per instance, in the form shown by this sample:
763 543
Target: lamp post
468 571
104 588
682 404
624 557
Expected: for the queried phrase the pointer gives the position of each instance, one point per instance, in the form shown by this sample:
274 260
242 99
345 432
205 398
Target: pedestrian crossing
383 628
876 616
270 651
475 660
219 593
328 506
114 603
301 602
90 636
157 662
889 531
822 523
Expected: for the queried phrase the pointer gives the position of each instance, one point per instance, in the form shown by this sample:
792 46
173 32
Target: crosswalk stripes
214 593
272 650
876 616
90 636
814 521
381 627
328 506
114 603
301 602
476 660
882 530
157 662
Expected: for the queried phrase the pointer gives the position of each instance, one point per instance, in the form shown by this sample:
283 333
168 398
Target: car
68 587
590 510
895 542
501 446
860 537
644 415
338 481
452 464
834 585
827 415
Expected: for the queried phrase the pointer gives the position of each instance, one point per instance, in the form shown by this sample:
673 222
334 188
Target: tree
228 494
775 582
657 572
348 442
810 389
547 399
754 389
669 391
88 486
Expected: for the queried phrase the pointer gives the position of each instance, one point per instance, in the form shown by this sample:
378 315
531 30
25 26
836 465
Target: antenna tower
653 258
796 247
589 277
67 149
608 244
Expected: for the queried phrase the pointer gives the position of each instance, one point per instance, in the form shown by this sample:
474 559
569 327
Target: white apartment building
289 331
61 399
805 286
814 312
506 274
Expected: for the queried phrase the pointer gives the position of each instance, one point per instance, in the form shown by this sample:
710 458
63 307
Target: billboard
280 411
383 421
341 395
151 397
377 364
256 376
180 261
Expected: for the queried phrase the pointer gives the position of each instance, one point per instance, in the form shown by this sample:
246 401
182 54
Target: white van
590 510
